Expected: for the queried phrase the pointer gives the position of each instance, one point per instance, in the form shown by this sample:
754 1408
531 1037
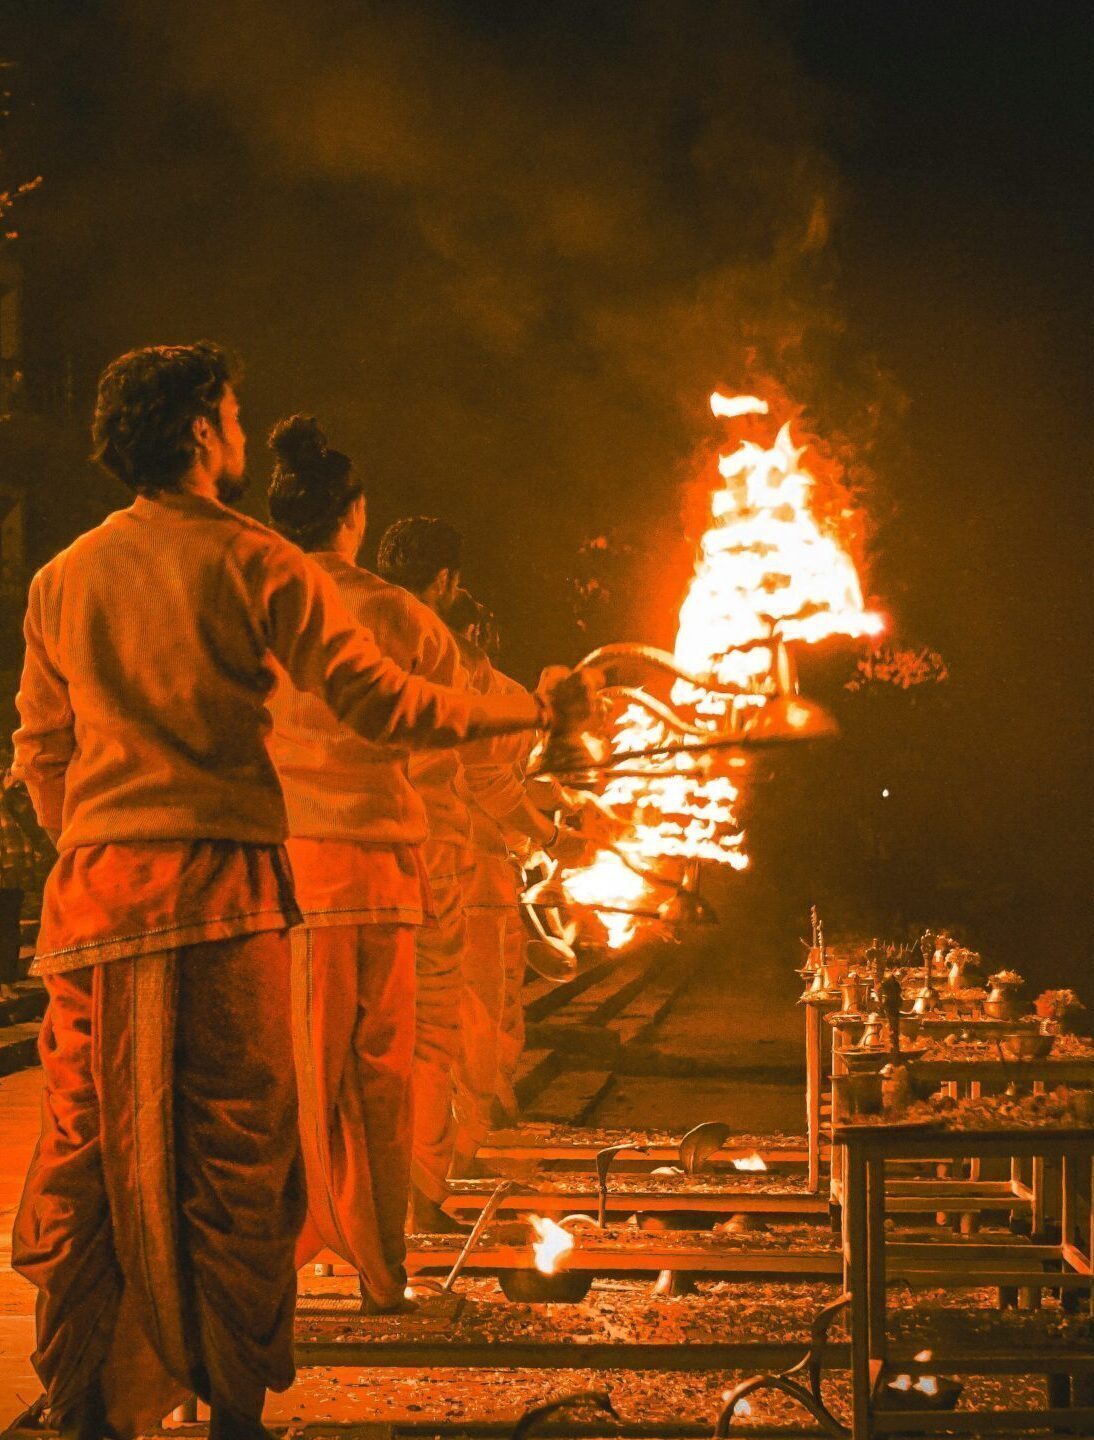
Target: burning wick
925 1355
755 1161
926 1384
742 1406
553 1243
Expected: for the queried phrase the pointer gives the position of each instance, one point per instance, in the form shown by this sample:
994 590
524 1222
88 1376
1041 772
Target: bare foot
228 1424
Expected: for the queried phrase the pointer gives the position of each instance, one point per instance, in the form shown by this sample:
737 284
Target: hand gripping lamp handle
571 750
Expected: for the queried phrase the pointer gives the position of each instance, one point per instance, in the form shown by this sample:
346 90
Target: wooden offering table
885 1382
568 1147
710 1194
963 1058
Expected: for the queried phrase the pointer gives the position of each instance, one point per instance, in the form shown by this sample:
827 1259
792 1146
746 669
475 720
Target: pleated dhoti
161 1209
439 967
353 1028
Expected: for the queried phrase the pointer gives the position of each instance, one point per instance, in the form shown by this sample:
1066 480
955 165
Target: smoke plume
505 252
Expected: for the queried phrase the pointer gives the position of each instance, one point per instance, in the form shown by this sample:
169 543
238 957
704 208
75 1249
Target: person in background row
491 1010
356 827
162 1205
424 555
492 1014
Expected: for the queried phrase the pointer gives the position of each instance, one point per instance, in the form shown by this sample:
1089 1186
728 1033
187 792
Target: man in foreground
162 1205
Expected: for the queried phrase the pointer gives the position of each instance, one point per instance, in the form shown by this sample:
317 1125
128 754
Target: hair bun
298 442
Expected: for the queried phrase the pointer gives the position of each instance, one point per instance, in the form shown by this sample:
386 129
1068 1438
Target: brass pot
1003 1000
873 1037
835 969
965 970
925 1002
864 1092
855 990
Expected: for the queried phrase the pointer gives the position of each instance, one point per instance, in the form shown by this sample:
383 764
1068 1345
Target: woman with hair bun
355 825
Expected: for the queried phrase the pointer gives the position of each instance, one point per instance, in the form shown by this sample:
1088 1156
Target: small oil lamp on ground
549 1282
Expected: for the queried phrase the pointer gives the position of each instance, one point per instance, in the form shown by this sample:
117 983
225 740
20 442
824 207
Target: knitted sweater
338 786
143 695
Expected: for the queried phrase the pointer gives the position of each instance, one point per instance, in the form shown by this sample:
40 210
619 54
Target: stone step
18 1046
570 1097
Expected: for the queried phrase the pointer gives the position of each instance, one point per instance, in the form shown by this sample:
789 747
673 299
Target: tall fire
768 571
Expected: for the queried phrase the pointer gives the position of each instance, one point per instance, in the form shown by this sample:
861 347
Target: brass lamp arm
657 708
608 657
743 741
648 875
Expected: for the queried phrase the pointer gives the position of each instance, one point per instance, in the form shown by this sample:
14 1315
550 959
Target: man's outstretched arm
323 649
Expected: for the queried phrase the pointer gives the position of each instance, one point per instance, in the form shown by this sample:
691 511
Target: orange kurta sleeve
325 651
45 741
493 768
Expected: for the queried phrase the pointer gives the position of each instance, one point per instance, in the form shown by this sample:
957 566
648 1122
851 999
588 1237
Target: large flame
767 569
554 1242
755 1161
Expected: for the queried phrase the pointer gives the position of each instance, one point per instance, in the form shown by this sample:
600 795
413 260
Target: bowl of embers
1027 1042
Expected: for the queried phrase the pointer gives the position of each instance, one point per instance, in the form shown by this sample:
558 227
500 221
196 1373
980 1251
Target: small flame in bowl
554 1242
925 1355
755 1161
742 1406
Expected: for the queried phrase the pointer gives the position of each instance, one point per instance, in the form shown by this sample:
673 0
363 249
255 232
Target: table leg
1008 1294
1067 1200
1031 1299
813 1048
970 1220
947 1168
875 1237
836 1159
1068 1298
856 1265
1037 1182
1090 1233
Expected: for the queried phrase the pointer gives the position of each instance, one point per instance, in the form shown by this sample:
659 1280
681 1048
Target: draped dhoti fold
353 1032
491 1008
439 970
482 1002
161 1209
511 1029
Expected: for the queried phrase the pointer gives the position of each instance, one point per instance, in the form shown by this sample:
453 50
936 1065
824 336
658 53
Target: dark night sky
505 251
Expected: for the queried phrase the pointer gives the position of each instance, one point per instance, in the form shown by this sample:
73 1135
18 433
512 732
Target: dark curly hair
311 484
145 410
413 552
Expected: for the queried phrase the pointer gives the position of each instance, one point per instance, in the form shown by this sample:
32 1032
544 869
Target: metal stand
809 1367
